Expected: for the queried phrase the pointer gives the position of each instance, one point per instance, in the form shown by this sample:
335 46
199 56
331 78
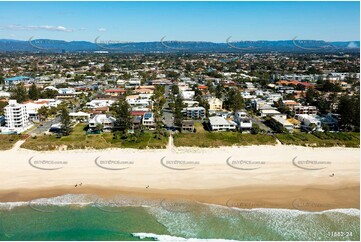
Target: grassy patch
217 139
8 140
143 141
321 139
78 139
199 127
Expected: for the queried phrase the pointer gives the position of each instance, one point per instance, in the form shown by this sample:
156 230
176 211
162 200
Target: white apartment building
311 110
194 112
221 124
16 118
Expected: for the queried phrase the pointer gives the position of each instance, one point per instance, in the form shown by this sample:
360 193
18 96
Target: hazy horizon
180 21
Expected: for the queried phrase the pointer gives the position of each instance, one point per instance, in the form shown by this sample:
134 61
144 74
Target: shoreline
312 199
279 176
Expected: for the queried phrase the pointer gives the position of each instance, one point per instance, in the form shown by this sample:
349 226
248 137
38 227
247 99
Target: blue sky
182 21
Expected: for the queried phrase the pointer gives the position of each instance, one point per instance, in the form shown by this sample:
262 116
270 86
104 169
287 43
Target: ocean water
85 217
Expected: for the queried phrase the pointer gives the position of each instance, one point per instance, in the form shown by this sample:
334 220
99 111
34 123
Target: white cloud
33 27
102 29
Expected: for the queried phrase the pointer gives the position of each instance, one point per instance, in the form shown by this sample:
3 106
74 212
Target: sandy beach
246 177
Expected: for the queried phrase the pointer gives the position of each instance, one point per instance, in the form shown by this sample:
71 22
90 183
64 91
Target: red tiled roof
102 108
115 90
137 113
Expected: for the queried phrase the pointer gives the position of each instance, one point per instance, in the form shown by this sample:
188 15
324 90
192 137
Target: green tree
159 101
204 103
219 90
2 106
178 107
310 94
48 94
325 127
20 93
123 120
34 92
255 128
107 68
323 105
43 113
235 101
175 89
2 80
65 122
349 110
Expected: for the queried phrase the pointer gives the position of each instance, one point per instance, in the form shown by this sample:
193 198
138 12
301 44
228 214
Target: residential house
191 103
99 103
283 122
215 103
32 107
17 79
221 124
271 112
188 126
291 104
142 100
187 94
148 120
115 92
136 122
80 116
107 122
307 121
66 91
133 82
243 121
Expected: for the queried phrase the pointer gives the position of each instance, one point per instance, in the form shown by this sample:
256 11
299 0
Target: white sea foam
288 224
64 200
348 211
86 199
160 237
81 200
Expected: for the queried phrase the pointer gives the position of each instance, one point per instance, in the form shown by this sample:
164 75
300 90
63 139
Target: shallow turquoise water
83 217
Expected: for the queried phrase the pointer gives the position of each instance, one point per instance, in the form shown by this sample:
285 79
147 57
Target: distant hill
47 45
